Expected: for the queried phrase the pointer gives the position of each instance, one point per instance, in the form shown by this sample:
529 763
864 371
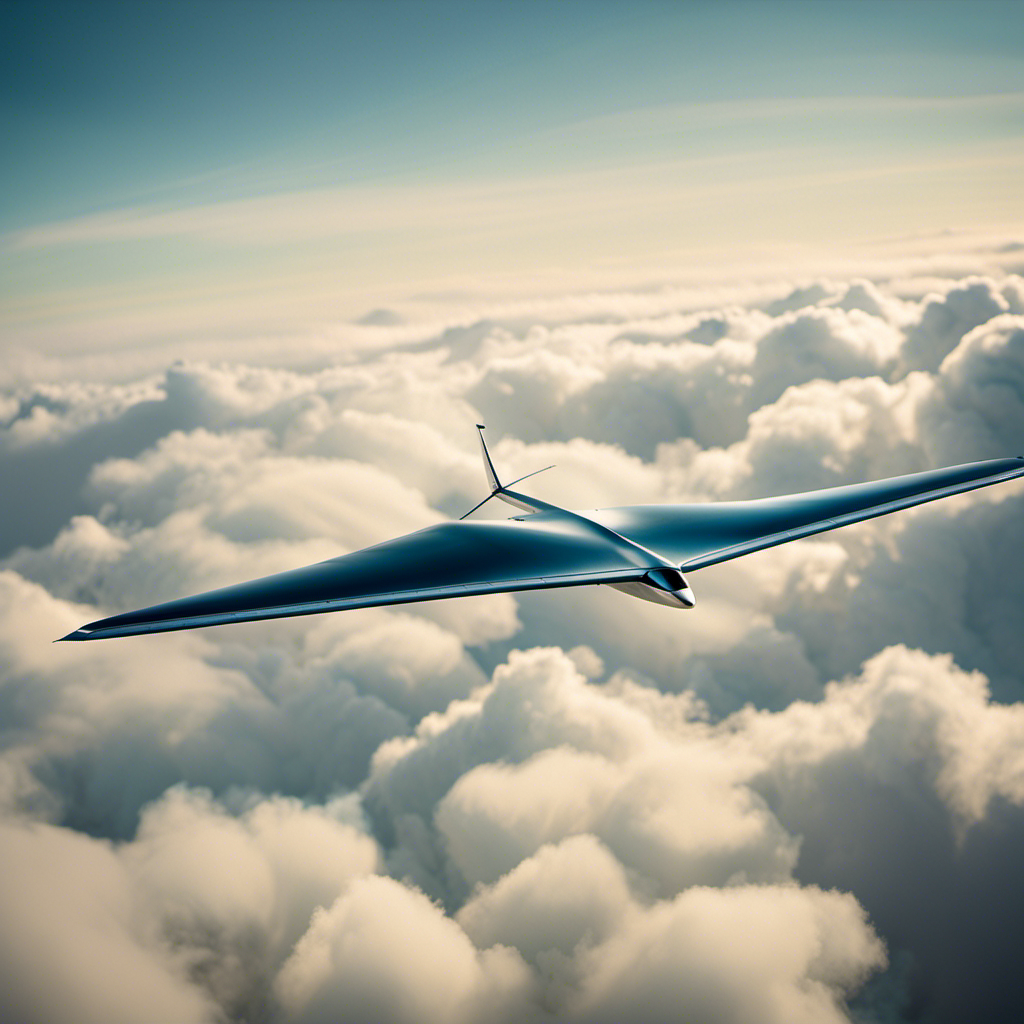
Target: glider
643 550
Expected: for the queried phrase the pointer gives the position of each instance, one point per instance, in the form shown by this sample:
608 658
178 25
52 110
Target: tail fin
499 490
492 476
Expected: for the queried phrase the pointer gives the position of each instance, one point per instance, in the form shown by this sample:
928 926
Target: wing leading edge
446 560
697 536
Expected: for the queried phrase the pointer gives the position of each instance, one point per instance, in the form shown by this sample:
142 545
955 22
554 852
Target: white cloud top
805 803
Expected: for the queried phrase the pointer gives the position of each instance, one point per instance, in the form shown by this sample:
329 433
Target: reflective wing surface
447 560
700 535
553 548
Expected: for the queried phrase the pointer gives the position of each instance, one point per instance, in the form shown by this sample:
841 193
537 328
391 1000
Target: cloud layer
805 802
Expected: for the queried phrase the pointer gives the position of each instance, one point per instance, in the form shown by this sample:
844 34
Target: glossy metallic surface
695 536
447 560
639 549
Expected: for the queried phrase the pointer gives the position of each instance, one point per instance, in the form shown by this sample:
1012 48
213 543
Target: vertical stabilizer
498 490
492 476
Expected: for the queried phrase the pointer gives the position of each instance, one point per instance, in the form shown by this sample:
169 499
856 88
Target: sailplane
642 550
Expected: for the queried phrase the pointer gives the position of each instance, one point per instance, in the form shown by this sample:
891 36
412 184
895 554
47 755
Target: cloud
562 805
605 956
565 896
375 954
802 950
69 931
905 784
945 319
232 895
979 402
821 344
191 917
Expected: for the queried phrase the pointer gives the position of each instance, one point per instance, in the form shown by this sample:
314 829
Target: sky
175 168
264 266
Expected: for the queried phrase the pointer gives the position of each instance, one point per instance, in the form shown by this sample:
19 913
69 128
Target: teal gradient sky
170 166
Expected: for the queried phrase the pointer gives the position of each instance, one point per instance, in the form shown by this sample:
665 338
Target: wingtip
75 634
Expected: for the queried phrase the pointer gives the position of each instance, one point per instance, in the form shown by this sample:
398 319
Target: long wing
700 535
446 560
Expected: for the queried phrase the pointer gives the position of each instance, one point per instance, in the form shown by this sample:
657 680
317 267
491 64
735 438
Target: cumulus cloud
945 319
376 953
821 344
801 950
185 922
905 783
802 801
978 404
68 933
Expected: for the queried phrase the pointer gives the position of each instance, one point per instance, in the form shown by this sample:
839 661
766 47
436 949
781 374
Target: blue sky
547 137
110 103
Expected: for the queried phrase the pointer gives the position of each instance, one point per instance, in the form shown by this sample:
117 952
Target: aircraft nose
686 596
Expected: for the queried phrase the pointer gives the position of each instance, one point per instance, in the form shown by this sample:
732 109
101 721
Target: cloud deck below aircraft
525 808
